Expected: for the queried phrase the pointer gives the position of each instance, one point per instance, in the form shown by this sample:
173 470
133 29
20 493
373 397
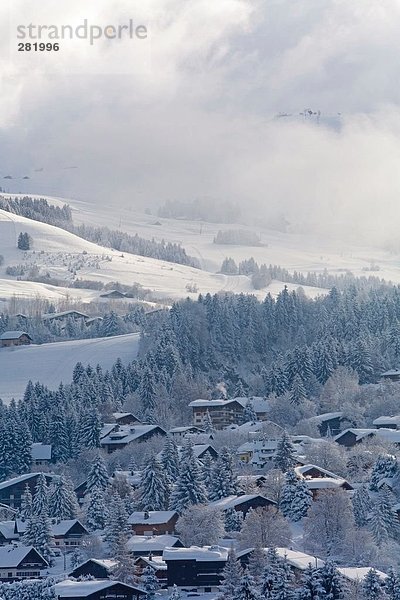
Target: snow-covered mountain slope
294 251
62 254
52 363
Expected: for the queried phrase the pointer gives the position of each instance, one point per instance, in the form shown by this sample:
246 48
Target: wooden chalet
242 503
123 435
15 338
154 522
94 567
11 491
21 562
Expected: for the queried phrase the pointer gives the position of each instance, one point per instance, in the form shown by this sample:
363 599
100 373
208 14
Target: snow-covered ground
52 363
61 254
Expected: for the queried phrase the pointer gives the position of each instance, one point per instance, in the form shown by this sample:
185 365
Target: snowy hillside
52 363
63 255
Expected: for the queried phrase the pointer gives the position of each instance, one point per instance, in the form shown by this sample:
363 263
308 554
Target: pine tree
26 504
77 557
372 586
90 429
175 594
154 487
362 505
231 578
40 503
96 511
392 585
311 588
288 492
62 501
385 466
301 501
38 534
208 424
170 458
189 487
298 392
117 529
285 452
233 520
98 475
247 589
149 583
224 482
333 583
383 522
147 391
275 582
249 414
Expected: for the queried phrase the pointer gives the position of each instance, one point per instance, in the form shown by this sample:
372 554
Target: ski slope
52 364
63 254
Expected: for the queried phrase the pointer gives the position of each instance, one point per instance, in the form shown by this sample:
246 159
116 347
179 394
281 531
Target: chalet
97 590
196 568
14 338
67 533
242 503
41 454
222 412
143 545
259 404
387 422
63 317
317 479
126 418
129 434
156 563
154 522
391 375
351 437
261 452
11 490
21 562
298 562
94 567
328 423
113 295
182 432
94 321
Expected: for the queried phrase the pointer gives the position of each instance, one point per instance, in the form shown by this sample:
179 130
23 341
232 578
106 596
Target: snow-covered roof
150 543
324 483
57 529
129 433
260 404
7 530
107 429
152 517
389 435
233 501
13 335
82 589
358 573
65 313
185 428
41 451
326 417
156 562
200 554
299 560
304 469
103 562
387 420
391 372
12 556
15 480
207 403
359 433
122 415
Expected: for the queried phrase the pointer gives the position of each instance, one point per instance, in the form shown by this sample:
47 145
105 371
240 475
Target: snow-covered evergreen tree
247 589
154 486
362 505
40 503
63 503
170 458
298 392
301 501
249 414
231 577
96 509
383 522
189 487
333 583
149 582
77 557
117 529
233 520
207 423
373 586
288 492
38 533
392 585
98 475
285 454
25 511
311 586
224 481
175 594
90 428
385 466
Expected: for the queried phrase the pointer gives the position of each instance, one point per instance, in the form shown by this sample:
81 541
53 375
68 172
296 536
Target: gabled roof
61 528
210 403
83 589
387 420
155 517
358 573
130 433
299 560
201 554
12 556
389 435
7 530
15 480
391 372
233 501
13 335
304 469
65 313
108 564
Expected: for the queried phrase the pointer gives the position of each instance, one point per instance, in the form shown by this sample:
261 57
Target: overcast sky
191 110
